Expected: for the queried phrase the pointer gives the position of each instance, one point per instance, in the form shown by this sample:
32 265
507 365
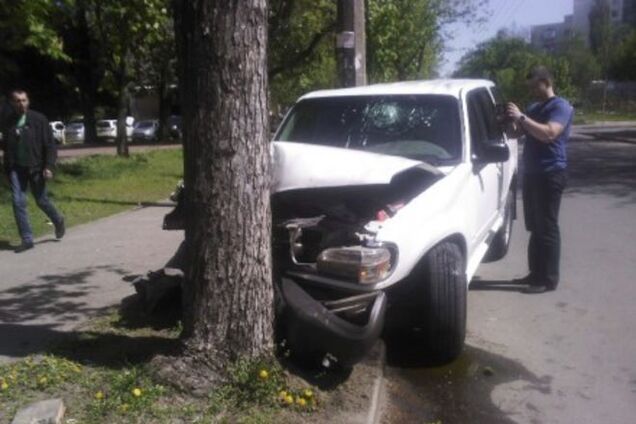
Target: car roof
451 87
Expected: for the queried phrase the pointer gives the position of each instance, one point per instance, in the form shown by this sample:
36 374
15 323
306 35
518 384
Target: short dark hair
541 73
17 91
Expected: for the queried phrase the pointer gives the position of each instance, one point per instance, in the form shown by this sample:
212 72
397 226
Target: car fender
433 216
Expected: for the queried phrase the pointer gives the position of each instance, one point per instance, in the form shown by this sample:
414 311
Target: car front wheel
444 297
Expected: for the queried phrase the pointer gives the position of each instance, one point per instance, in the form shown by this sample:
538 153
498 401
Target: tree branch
304 54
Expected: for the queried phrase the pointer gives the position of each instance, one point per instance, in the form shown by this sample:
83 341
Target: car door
486 178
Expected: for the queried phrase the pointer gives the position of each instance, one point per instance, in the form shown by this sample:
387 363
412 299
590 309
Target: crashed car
385 200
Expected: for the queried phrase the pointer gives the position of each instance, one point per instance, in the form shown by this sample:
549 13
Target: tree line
88 57
608 54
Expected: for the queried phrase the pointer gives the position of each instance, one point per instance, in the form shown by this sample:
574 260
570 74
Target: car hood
299 165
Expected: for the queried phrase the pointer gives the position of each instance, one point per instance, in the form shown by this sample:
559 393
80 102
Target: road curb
378 396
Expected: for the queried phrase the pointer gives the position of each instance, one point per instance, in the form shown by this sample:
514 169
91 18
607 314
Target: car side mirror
493 153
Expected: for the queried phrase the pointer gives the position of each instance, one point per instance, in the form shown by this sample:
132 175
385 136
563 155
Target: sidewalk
53 288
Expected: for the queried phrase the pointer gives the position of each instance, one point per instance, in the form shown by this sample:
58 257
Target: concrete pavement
51 289
561 357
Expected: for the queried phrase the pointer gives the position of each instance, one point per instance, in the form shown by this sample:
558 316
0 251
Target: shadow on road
496 285
52 295
603 168
457 393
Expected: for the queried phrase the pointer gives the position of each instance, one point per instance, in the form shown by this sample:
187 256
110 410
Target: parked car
57 127
74 131
146 131
106 129
386 199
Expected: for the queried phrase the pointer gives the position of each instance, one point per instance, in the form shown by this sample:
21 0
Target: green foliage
255 381
583 65
30 23
507 62
127 392
403 39
624 64
301 48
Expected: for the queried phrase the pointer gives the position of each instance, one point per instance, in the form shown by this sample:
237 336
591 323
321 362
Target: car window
476 121
483 118
420 127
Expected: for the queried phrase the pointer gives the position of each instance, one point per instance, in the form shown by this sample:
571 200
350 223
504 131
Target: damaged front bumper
342 328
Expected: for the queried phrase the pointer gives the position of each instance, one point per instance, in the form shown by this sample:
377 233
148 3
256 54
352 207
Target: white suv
386 199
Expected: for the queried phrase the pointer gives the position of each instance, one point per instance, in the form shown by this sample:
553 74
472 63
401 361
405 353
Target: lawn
97 186
590 117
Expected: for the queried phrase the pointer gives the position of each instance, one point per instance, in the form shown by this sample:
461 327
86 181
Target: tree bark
228 310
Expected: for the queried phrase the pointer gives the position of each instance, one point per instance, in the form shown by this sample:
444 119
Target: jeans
541 203
20 179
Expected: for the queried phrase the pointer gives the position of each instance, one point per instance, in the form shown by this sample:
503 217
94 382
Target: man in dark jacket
29 159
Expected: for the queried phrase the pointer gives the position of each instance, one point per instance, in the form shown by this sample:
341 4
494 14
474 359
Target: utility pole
351 43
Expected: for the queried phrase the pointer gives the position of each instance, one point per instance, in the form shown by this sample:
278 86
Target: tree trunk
163 89
87 103
228 309
123 101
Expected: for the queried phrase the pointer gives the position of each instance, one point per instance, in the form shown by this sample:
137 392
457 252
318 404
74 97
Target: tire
501 241
445 292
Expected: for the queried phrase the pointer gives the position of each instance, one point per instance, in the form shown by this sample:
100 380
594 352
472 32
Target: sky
502 13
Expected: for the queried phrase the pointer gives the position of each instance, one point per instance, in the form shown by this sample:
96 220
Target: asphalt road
562 357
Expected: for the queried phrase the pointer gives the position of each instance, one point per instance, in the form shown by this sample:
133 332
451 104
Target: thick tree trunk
222 50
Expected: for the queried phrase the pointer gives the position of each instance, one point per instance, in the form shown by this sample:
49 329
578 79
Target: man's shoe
528 280
537 289
24 246
60 229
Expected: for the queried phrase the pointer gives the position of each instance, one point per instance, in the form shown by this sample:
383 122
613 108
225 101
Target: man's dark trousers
541 203
20 179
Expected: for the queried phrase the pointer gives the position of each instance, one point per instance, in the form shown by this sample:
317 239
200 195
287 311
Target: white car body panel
300 165
467 202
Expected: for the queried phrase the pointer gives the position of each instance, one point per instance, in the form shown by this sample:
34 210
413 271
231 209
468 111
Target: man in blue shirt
546 125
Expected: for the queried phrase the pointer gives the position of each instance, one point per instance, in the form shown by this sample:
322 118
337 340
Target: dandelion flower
43 380
289 399
4 385
308 393
99 395
263 374
300 401
136 392
282 394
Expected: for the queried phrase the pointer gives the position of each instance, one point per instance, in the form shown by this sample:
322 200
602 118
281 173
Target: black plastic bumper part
312 330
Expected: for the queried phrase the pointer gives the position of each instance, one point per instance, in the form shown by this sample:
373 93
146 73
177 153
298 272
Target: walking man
29 159
546 125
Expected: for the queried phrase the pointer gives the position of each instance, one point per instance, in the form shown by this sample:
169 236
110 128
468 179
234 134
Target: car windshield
103 124
420 127
145 125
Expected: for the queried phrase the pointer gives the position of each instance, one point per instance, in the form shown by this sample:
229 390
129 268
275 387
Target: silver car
74 132
146 131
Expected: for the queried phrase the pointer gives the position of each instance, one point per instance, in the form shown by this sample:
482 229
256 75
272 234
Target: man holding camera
546 125
29 159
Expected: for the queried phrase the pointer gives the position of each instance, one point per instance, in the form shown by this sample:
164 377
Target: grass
97 186
103 375
590 117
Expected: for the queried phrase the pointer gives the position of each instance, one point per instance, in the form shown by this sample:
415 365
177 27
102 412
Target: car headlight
365 265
